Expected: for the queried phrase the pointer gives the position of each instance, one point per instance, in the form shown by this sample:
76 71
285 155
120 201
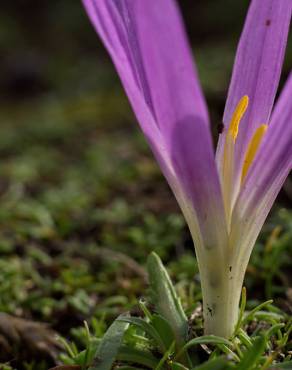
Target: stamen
230 187
237 116
252 149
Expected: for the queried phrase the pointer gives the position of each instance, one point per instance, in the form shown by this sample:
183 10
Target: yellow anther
252 149
237 116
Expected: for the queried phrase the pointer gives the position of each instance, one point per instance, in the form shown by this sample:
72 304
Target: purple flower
226 197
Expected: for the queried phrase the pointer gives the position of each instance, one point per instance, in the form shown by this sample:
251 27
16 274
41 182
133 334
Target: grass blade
252 355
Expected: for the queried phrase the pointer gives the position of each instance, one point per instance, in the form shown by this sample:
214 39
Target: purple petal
110 25
148 45
269 170
257 69
168 63
196 169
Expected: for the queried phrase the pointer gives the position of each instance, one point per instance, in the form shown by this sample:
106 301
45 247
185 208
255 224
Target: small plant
161 338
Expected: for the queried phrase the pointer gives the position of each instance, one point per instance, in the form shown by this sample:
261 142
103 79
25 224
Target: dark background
49 47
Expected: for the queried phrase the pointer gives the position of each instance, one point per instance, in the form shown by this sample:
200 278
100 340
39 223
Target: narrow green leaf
137 356
241 312
228 352
267 316
177 366
127 368
244 338
249 315
218 363
86 357
252 355
167 303
206 339
274 329
283 365
143 307
109 345
165 357
61 367
147 328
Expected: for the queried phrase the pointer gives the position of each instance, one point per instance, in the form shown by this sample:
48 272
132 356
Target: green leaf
164 329
244 338
241 311
137 356
109 345
166 301
206 339
218 363
86 357
127 368
274 329
177 366
252 355
249 316
165 357
147 328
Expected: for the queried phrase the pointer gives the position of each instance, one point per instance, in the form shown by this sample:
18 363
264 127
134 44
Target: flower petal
168 64
267 173
257 69
196 170
148 45
111 27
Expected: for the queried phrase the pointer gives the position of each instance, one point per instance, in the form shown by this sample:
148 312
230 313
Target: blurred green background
81 198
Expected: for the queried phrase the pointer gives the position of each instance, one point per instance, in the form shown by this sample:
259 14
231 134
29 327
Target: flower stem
221 290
